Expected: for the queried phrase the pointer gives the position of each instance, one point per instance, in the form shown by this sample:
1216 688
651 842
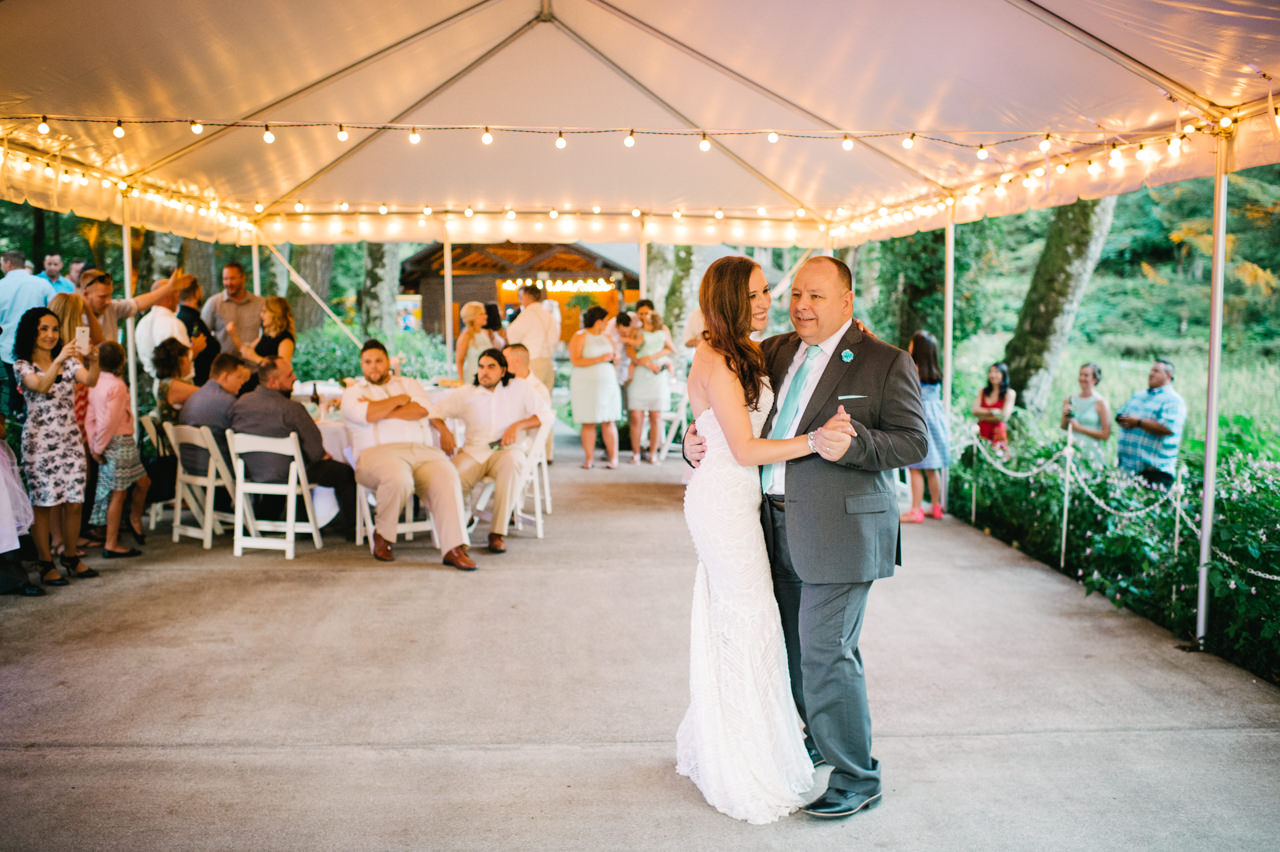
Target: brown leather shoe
459 559
497 544
382 549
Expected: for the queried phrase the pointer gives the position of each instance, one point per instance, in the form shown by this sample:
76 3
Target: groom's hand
695 446
835 436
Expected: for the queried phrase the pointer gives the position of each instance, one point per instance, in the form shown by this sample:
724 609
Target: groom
831 528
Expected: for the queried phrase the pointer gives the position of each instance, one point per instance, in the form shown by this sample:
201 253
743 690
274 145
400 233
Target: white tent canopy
1001 74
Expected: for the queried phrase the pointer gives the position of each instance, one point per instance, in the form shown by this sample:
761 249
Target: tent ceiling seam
658 99
315 84
756 86
345 155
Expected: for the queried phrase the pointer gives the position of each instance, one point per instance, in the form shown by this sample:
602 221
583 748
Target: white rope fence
1063 459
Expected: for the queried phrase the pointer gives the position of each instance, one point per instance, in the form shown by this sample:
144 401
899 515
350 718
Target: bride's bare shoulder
708 359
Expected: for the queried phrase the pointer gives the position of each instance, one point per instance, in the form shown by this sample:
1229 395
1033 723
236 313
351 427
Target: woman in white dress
741 741
594 395
475 338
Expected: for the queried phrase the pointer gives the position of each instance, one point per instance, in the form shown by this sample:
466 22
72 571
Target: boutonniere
846 356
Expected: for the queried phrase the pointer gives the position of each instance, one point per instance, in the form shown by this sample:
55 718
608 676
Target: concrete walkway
193 700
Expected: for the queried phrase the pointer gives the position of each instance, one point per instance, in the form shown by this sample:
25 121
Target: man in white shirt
98 288
159 324
518 366
496 409
387 421
539 330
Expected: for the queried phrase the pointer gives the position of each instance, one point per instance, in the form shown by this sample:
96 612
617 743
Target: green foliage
1133 561
582 301
327 353
673 306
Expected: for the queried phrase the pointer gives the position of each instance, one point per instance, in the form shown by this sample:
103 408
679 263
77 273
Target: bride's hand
833 444
695 446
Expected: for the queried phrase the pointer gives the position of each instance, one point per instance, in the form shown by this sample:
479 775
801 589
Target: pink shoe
912 516
935 512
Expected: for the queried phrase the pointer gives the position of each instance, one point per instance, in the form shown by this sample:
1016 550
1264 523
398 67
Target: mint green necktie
785 421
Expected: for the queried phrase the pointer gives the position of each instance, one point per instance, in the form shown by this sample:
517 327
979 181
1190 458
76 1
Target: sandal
70 563
44 566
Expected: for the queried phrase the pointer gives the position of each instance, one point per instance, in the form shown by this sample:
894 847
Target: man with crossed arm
387 421
495 410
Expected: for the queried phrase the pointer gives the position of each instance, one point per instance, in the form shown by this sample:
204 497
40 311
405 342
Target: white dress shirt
537 330
389 430
488 413
816 370
155 328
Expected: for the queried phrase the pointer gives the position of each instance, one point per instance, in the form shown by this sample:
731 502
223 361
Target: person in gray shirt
211 406
234 305
267 410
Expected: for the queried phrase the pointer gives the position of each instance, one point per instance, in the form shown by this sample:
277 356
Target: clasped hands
832 439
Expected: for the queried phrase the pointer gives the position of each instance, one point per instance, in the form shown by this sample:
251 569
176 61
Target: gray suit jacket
268 412
842 517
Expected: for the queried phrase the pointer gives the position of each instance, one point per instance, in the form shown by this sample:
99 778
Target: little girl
109 425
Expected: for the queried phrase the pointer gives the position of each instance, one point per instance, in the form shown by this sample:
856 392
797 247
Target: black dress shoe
836 804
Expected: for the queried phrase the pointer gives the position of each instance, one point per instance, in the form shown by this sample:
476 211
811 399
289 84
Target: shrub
327 353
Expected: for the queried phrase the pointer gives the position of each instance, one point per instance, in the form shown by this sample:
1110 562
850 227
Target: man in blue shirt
20 291
53 274
1151 428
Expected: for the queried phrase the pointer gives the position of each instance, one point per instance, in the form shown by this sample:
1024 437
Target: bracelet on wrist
813 446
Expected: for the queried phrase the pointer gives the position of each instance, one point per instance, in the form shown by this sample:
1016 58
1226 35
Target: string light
468 212
511 214
799 212
1225 122
846 144
426 211
1094 168
343 206
705 144
1061 168
1045 144
909 142
43 126
760 211
486 137
982 152
1175 146
298 207
560 141
676 214
630 141
719 214
119 131
1188 128
414 136
197 128
1115 156
48 171
343 135
1039 172
257 207
635 212
1141 155
554 213
596 209
773 137
383 209
267 135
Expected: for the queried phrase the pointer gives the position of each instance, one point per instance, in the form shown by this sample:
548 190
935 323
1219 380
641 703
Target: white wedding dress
741 741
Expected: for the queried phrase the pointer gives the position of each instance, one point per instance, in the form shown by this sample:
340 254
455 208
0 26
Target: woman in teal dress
648 389
593 386
1087 414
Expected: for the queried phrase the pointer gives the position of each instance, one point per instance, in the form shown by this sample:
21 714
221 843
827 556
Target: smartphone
495 445
82 339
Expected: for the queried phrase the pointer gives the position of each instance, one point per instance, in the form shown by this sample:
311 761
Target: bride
741 741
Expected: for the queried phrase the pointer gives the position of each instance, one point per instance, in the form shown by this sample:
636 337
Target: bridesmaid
593 386
1088 414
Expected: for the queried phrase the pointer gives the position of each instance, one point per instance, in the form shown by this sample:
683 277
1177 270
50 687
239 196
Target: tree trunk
161 254
376 300
315 265
1072 247
198 260
37 238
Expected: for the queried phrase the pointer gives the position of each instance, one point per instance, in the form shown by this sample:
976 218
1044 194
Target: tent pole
644 265
448 293
305 287
257 268
948 328
1215 358
126 241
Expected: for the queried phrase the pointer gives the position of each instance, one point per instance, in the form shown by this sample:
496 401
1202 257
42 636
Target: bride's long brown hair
725 299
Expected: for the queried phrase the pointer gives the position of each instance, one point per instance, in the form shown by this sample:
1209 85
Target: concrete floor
192 700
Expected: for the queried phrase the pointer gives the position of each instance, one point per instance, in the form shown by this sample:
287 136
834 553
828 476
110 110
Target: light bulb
982 152
909 142
676 214
630 141
1045 144
119 131
760 211
1188 128
197 128
486 137
257 208
64 177
705 144
343 206
635 212
414 136
343 135
560 143
847 144
511 214
383 209
799 211
719 214
426 211
553 213
1225 122
1095 169
48 171
1039 172
1277 116
83 179
1175 146
773 137
1061 168
468 212
1141 155
43 126
298 207
267 135
595 209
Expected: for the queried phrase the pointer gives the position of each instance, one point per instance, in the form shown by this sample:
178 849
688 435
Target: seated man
211 406
519 367
495 410
387 421
268 411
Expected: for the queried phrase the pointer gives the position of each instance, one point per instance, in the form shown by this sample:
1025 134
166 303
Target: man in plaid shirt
1151 427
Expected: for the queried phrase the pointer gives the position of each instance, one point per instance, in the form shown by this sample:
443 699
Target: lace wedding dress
741 741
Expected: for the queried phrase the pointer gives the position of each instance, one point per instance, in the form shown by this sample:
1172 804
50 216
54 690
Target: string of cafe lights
1146 148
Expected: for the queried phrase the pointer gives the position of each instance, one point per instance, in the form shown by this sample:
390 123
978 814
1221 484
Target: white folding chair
151 427
408 525
530 483
198 490
674 421
294 486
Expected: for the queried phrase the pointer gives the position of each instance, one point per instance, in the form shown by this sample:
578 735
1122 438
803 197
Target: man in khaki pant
388 424
495 410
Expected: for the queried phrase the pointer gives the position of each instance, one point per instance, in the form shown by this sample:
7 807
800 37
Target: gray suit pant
821 624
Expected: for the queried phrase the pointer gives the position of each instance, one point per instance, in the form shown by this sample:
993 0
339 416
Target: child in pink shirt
109 425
